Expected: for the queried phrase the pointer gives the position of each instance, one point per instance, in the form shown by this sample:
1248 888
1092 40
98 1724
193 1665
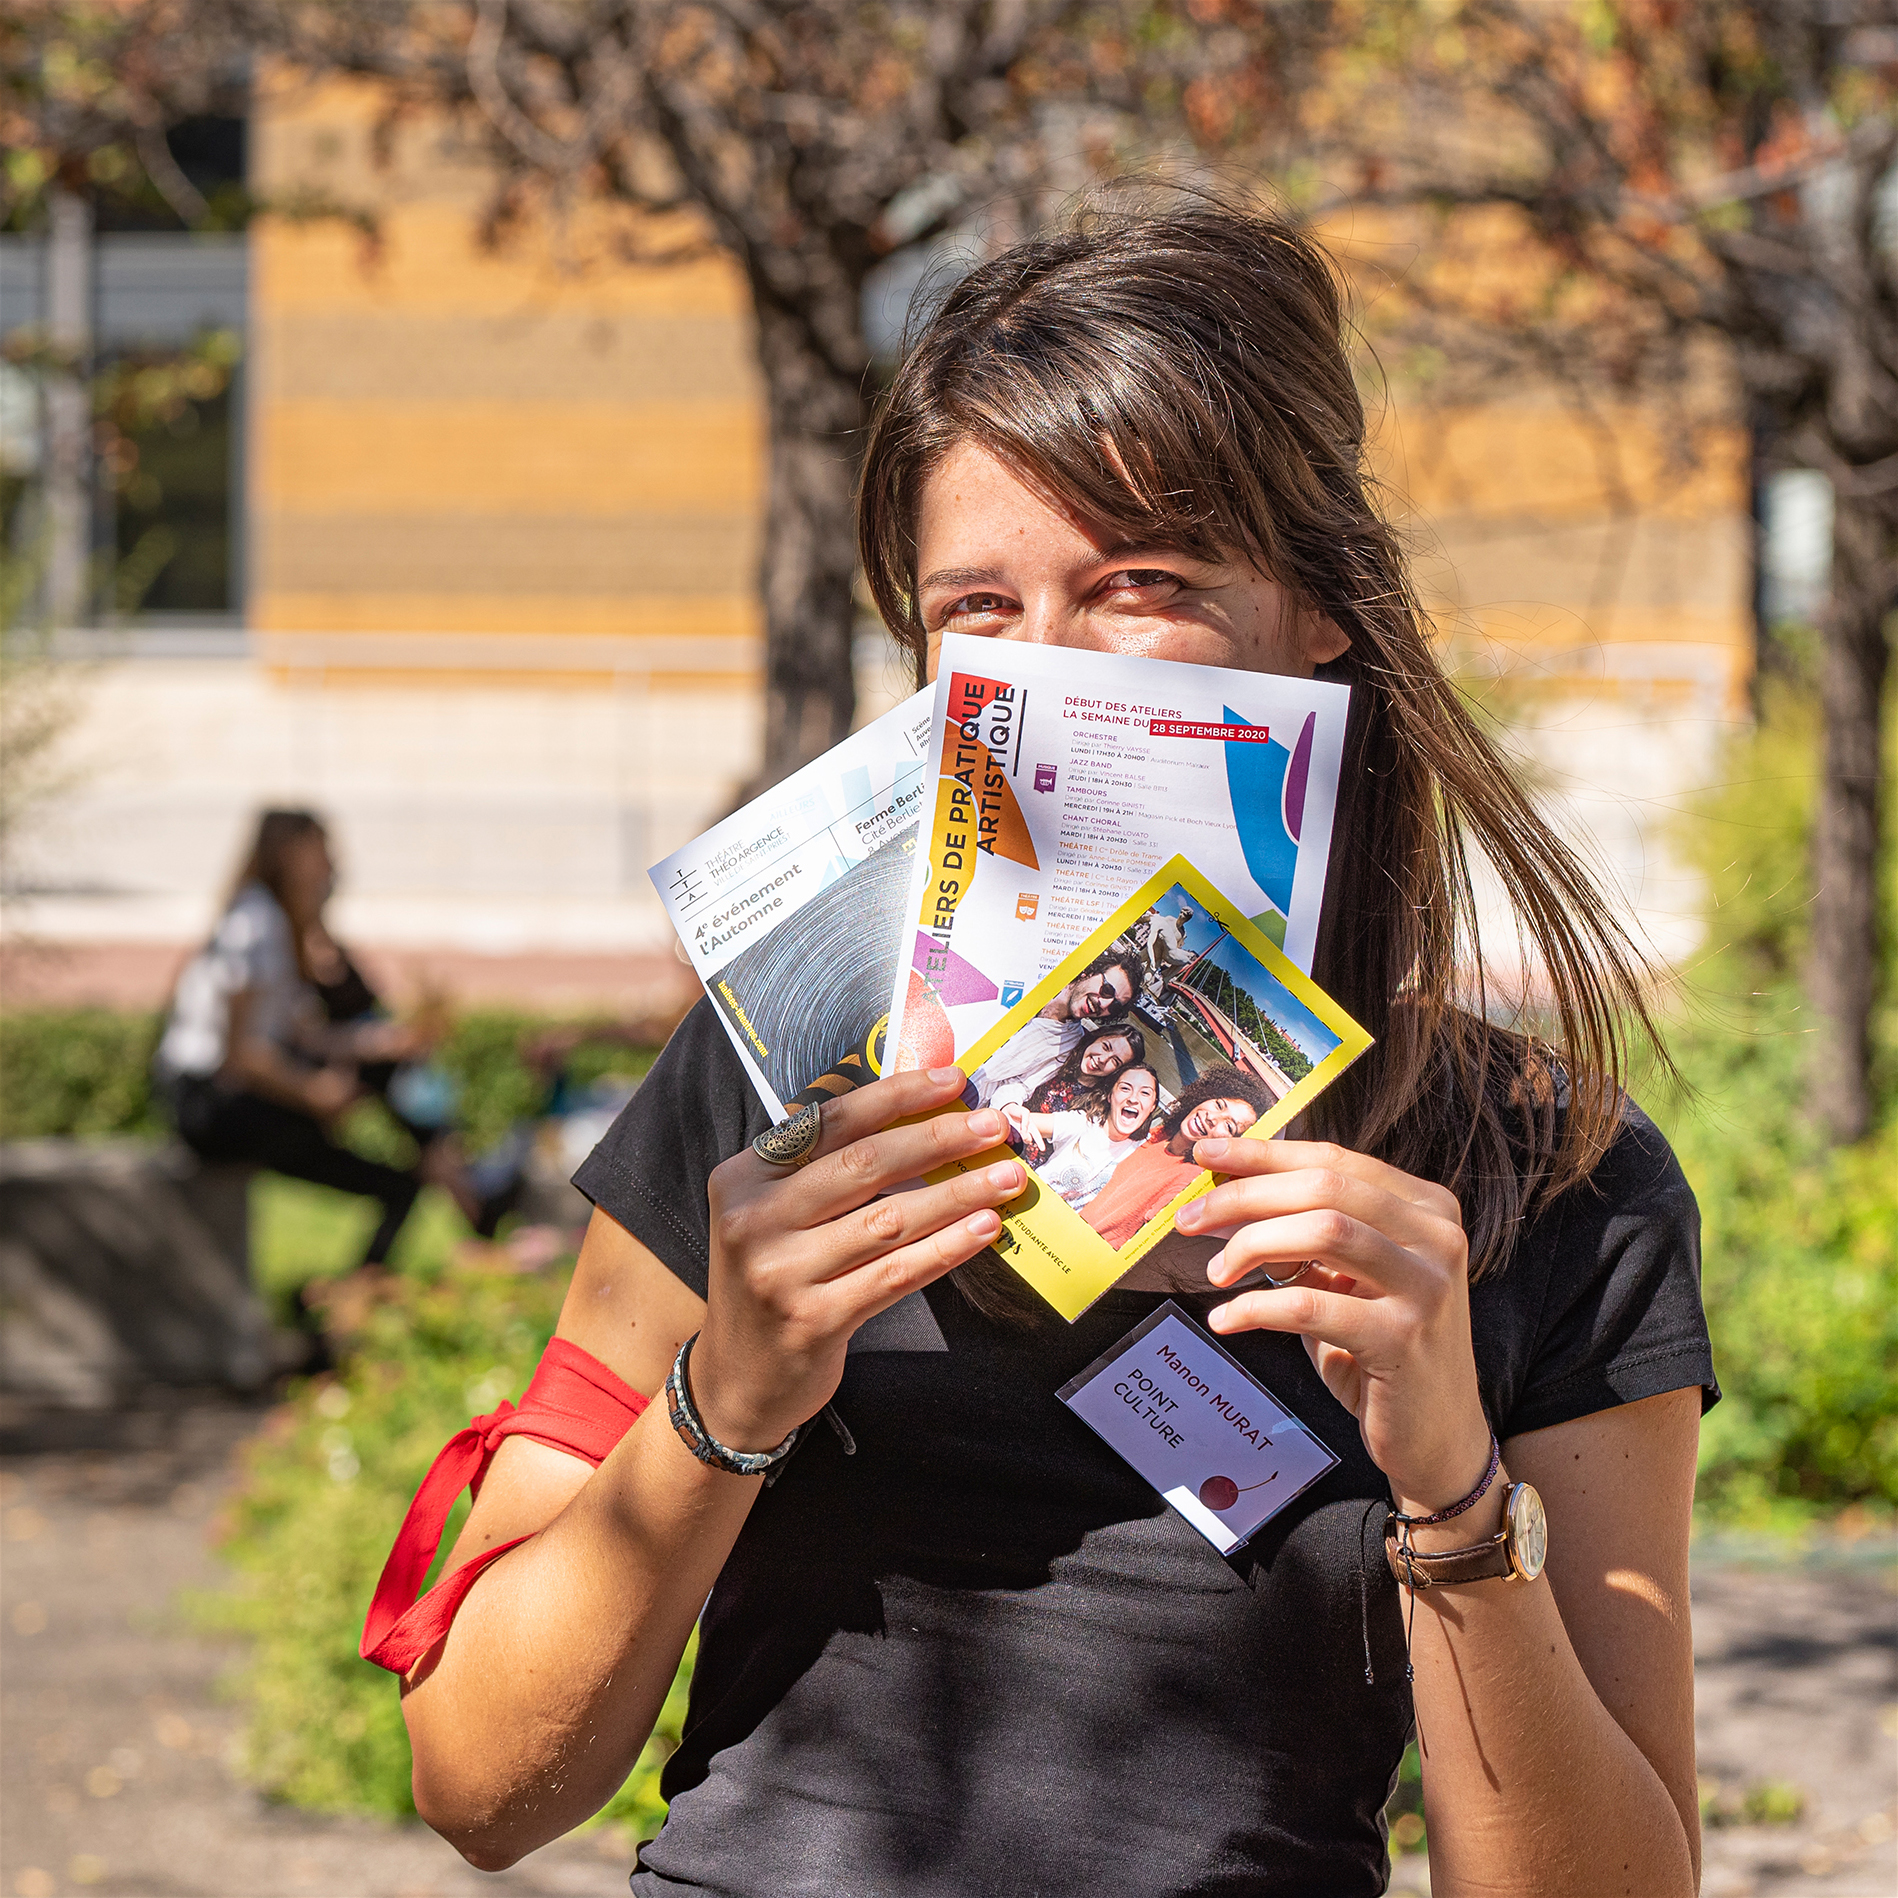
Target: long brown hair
1182 378
265 863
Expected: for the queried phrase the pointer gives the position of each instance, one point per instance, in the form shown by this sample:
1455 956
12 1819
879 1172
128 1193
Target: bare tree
1658 182
808 139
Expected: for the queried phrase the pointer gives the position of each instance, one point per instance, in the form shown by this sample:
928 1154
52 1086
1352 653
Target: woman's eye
1140 580
975 605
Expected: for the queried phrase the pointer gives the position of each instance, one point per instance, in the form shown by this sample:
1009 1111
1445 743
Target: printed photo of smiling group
1173 1032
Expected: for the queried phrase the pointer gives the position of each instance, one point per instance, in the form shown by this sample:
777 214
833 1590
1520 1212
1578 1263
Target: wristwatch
1515 1553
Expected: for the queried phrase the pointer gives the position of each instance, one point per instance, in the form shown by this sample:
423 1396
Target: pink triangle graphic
955 979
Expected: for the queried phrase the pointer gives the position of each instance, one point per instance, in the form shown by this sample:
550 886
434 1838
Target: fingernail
1207 1151
1006 1174
944 1076
1216 1318
984 1225
986 1124
1214 1263
1189 1217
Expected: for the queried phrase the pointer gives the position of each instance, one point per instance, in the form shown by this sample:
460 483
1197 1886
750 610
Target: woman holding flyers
957 1645
1220 1105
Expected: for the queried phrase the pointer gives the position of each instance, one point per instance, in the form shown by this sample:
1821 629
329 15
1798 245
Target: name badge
1198 1426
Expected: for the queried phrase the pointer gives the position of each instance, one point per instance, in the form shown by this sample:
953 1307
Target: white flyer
791 909
1063 779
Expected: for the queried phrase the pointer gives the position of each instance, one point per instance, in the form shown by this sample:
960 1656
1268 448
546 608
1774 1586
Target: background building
464 556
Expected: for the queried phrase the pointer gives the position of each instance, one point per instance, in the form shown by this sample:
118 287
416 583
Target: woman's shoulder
1599 1301
1638 1177
695 1108
1635 1185
252 919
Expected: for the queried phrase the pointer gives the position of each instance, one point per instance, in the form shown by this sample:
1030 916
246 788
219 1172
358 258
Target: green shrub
325 1486
1800 1244
76 1071
82 1071
1801 1286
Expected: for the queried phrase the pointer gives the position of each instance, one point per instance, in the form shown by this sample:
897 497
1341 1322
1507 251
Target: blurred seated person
249 1064
420 1095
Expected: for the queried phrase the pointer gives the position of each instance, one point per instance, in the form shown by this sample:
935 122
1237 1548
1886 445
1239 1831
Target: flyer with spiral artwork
791 908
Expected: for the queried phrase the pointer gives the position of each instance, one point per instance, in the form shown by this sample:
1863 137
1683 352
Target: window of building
127 494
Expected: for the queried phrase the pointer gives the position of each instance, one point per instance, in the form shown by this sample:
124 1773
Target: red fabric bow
574 1403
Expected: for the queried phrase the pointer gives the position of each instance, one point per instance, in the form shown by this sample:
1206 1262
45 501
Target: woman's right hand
801 1259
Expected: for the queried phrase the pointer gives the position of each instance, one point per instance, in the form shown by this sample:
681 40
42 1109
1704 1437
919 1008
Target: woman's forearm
536 1707
1531 1787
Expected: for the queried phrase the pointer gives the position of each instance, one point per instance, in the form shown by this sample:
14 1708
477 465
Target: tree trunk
1843 974
808 562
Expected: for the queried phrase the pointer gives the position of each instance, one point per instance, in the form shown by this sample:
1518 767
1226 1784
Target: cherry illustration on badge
1221 1492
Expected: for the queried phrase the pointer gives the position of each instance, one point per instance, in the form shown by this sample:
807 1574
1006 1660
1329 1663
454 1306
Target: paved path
115 1748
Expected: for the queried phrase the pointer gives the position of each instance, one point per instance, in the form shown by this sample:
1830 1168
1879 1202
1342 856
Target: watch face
1528 1531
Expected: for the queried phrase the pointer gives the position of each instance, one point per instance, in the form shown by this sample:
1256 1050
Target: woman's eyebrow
1132 552
962 577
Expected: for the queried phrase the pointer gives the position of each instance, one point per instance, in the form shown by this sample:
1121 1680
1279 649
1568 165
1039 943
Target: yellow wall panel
1593 564
1508 460
1529 624
643 555
429 257
546 356
524 457
618 615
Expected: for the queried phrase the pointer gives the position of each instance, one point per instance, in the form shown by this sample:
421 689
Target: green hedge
76 1071
83 1071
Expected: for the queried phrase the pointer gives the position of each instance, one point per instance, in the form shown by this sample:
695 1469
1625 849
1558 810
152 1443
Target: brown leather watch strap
1485 1561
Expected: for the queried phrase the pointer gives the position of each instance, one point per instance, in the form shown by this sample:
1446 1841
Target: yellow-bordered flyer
1177 1020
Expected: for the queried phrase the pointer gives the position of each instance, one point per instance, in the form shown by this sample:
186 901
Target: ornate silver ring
1278 1285
792 1143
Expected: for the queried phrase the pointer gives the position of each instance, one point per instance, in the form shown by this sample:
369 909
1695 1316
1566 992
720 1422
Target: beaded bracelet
701 1442
1469 1502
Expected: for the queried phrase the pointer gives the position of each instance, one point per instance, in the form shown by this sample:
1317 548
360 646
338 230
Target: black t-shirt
981 1655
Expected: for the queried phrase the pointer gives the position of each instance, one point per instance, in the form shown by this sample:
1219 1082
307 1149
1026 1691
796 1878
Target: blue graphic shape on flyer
1186 1414
1267 783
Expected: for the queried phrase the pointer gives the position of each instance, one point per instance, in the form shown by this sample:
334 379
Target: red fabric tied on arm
574 1403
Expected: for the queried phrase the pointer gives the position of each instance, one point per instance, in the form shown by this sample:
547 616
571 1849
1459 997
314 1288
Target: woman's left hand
1384 1309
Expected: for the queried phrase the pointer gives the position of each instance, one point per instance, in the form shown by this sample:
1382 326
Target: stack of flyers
1064 780
1093 881
791 908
